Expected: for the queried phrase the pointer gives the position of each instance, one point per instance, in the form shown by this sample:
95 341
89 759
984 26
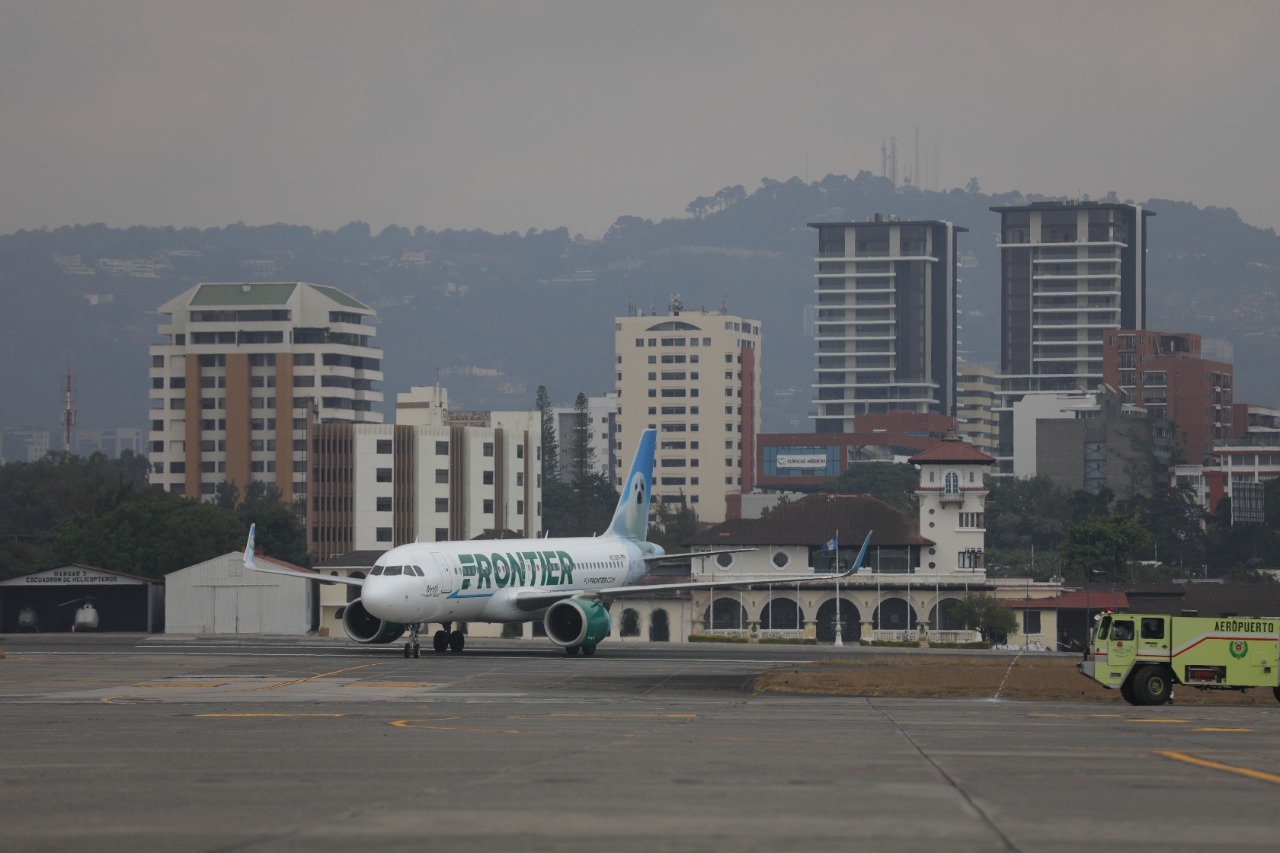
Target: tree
550 448
972 186
892 482
1102 547
582 456
990 618
674 522
1026 513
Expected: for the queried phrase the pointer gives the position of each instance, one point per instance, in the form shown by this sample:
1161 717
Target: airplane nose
379 597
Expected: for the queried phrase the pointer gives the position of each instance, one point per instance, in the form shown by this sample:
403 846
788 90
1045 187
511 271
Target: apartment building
1164 373
1070 272
694 376
243 370
885 326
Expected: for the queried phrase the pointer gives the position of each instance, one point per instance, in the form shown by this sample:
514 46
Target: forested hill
495 315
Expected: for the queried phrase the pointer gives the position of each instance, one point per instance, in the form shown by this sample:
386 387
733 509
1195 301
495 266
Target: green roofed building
242 370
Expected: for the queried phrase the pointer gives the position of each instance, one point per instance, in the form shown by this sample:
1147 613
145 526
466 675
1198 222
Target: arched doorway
781 614
948 622
659 627
894 614
630 623
850 621
725 614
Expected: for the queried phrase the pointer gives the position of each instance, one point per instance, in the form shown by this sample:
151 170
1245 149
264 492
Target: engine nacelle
576 622
365 628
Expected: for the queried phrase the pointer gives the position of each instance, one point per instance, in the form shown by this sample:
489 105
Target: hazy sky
511 115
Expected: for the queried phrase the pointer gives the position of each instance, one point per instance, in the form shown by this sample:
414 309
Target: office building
425 478
976 402
885 325
1070 272
694 376
1165 373
241 373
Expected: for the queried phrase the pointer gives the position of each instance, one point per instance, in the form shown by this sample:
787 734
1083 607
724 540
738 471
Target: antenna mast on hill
68 408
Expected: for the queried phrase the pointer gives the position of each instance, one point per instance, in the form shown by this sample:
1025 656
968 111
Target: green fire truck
1145 655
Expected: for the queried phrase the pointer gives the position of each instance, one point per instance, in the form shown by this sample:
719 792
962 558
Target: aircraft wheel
406 649
416 651
457 640
571 650
588 650
440 641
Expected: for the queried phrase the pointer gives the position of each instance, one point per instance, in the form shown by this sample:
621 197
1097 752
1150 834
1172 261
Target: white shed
221 596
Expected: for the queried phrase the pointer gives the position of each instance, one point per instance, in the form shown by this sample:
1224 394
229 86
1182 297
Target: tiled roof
814 519
952 450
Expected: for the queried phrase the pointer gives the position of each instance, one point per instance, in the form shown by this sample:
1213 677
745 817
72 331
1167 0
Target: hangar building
221 596
51 597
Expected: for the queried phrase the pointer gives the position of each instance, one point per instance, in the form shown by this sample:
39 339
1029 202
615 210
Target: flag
833 544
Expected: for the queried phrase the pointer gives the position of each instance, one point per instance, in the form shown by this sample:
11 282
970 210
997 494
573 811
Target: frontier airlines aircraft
566 583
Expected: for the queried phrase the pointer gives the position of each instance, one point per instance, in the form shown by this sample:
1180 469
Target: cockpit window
391 570
414 570
376 570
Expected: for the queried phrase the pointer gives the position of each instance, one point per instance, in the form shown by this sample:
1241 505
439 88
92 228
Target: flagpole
839 639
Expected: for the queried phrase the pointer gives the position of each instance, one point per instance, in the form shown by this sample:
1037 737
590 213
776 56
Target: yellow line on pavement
321 675
270 715
1228 768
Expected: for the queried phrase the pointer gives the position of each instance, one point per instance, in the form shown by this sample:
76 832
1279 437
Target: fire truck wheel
1276 690
1152 685
1126 691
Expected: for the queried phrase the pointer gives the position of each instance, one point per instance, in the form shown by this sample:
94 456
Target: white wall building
694 376
242 371
221 596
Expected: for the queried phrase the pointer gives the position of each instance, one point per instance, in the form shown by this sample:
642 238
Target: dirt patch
971 677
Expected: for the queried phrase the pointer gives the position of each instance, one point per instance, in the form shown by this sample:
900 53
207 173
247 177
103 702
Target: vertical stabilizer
631 518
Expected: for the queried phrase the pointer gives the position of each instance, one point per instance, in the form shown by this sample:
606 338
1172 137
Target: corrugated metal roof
339 297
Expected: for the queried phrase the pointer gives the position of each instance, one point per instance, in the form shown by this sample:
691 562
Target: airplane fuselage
484 580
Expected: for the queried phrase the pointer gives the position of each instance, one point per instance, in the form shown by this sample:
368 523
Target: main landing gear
446 640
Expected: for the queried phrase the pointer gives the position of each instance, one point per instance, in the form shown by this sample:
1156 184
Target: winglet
248 548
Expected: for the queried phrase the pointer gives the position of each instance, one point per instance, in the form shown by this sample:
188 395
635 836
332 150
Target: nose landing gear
411 648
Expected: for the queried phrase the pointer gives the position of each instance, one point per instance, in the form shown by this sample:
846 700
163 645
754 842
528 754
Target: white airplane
567 583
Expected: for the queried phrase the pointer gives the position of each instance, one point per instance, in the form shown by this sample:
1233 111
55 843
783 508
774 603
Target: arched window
952 486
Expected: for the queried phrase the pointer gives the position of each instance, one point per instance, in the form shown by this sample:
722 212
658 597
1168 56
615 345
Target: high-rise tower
886 319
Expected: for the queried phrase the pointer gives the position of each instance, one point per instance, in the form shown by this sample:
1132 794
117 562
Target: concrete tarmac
162 743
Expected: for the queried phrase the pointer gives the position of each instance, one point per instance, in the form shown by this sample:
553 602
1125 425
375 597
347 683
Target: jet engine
577 623
365 628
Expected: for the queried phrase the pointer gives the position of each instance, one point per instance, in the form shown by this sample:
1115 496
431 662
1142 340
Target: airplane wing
538 599
671 558
250 564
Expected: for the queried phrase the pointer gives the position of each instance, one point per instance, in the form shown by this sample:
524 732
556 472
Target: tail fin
631 518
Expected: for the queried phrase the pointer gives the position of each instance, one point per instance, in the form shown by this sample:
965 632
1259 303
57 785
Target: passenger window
392 570
1122 631
376 570
1153 629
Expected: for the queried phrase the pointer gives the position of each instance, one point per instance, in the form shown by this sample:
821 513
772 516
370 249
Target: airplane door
446 571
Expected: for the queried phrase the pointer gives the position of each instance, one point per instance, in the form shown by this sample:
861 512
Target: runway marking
1157 720
1227 768
1074 716
1216 729
187 684
321 675
270 715
388 684
420 724
618 716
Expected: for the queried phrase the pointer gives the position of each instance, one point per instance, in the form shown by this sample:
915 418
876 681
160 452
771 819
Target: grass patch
970 677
